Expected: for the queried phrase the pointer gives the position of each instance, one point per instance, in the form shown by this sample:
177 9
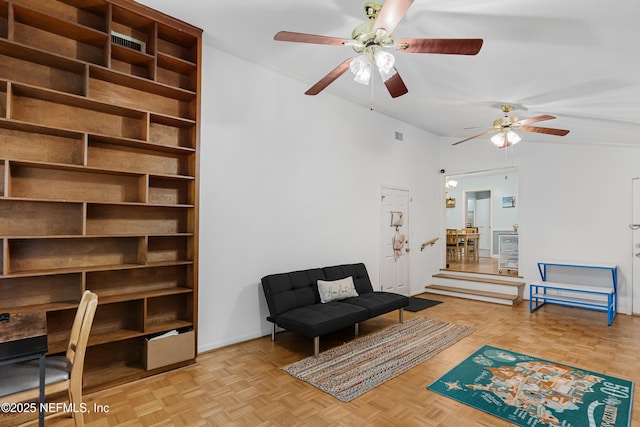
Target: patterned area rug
528 391
356 367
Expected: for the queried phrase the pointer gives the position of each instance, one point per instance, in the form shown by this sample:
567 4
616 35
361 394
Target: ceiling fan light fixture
384 61
361 69
505 139
513 137
498 140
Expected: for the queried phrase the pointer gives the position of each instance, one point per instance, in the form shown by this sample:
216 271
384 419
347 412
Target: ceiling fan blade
329 78
288 36
395 85
549 131
475 136
533 120
391 14
444 46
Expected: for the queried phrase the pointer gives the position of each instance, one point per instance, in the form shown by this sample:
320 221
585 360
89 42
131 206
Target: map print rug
528 391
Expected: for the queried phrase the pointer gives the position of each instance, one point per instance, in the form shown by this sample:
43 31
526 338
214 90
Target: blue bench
592 297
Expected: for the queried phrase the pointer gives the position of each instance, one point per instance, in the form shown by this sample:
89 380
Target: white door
635 291
483 222
394 224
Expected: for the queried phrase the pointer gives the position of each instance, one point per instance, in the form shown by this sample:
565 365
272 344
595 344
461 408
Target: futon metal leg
401 315
357 329
273 333
316 346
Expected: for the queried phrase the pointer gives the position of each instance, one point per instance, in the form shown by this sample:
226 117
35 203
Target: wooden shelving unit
99 146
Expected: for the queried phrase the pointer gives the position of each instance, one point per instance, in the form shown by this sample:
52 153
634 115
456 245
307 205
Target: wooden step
478 279
463 292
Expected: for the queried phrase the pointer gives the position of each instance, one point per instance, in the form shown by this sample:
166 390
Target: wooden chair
454 250
472 243
62 373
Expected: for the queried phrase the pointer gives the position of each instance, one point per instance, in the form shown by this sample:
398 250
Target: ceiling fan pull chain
372 83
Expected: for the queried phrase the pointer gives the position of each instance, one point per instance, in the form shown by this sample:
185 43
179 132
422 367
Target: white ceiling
578 60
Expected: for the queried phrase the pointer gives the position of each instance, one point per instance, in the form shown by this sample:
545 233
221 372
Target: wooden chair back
74 358
78 340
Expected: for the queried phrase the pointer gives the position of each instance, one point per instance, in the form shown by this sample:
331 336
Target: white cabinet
508 252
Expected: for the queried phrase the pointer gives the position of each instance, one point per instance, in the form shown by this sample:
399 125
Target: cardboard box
166 351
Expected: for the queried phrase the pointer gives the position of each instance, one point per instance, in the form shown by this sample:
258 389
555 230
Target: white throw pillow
336 289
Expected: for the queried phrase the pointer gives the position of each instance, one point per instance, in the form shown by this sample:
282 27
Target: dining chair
20 382
454 250
471 243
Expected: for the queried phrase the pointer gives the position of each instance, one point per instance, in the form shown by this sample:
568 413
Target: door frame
635 240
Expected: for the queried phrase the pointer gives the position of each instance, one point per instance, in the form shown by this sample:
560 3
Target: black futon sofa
295 304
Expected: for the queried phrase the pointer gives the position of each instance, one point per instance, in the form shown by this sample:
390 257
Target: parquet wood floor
243 385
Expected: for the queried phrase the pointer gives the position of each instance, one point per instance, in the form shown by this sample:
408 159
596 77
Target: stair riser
470 296
487 287
483 276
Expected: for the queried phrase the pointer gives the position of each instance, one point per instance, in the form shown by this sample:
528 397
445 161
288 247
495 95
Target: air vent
399 136
127 41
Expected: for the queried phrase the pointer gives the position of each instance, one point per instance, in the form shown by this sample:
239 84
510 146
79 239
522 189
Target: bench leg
401 315
273 333
357 329
316 346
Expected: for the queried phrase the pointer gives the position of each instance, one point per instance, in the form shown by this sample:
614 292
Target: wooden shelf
71 112
46 69
145 294
148 96
178 44
99 174
112 267
4 19
177 65
68 183
107 155
59 36
61 27
92 14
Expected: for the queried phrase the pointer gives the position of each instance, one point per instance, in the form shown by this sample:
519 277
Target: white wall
574 201
291 182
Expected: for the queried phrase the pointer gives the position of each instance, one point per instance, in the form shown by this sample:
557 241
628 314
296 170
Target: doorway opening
488 203
478 215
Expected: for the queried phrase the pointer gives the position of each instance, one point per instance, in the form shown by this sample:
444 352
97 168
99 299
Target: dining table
466 240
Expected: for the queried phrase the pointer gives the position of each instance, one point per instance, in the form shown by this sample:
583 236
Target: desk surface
23 335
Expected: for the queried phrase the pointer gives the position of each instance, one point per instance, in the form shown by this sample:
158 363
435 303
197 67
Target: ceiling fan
372 40
505 126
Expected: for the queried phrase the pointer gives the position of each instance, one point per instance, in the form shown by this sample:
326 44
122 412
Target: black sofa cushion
288 291
379 302
320 319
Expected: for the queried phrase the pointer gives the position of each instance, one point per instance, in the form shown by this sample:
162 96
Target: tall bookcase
99 145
